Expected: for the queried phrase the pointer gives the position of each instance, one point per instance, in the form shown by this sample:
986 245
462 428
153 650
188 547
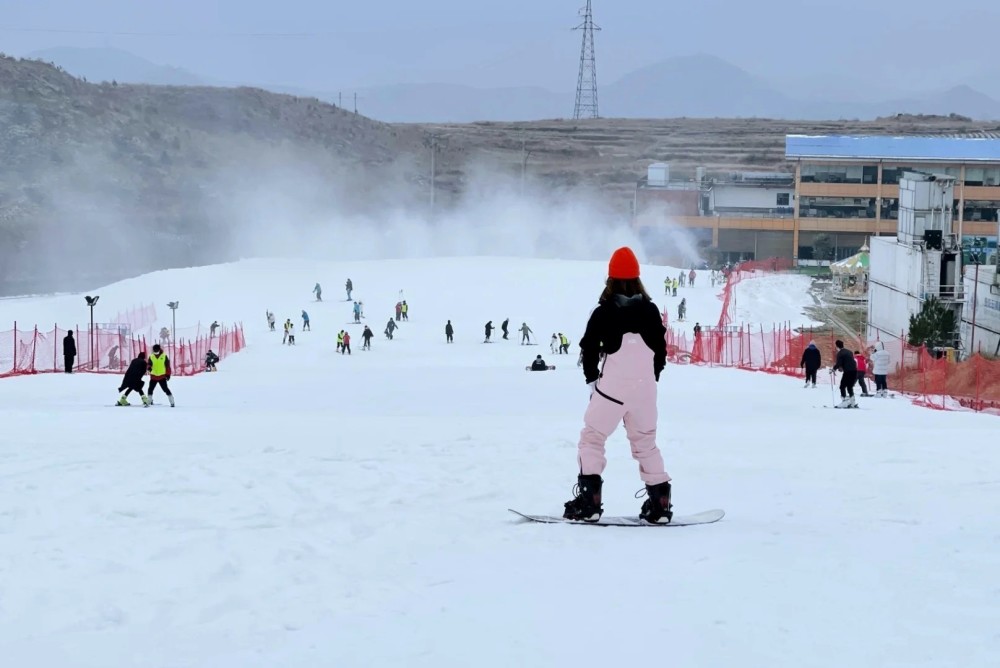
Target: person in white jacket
880 368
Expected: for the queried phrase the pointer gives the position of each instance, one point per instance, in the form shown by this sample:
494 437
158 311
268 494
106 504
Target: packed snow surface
772 300
302 508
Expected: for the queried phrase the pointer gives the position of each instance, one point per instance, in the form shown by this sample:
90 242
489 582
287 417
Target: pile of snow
305 508
771 300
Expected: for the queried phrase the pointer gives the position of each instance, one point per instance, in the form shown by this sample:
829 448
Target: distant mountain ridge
696 86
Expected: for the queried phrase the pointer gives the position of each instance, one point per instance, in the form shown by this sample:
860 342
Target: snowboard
704 517
549 368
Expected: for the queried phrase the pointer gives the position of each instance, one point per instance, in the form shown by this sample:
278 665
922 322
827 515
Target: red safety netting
30 351
927 379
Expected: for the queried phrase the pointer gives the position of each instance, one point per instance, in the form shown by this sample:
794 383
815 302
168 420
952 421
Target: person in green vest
159 373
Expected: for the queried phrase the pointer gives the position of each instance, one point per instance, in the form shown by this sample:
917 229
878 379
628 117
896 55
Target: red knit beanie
623 264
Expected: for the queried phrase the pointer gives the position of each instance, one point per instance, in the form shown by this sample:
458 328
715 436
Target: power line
139 33
586 82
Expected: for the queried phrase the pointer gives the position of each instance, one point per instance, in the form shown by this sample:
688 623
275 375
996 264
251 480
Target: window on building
869 174
837 207
977 210
783 199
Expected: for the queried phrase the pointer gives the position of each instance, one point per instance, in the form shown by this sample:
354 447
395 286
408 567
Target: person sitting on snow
539 364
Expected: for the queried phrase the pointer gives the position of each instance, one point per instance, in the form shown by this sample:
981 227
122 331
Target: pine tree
934 326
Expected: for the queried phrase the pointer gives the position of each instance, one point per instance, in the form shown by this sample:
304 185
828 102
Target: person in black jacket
132 382
449 332
539 364
69 351
845 363
812 360
626 331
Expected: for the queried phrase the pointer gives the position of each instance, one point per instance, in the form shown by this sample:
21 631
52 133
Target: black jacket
614 318
811 358
133 376
449 330
845 361
69 345
539 365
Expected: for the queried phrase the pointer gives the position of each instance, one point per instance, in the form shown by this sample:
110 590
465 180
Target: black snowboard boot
657 509
587 504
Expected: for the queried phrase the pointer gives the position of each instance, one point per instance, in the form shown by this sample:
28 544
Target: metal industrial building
846 187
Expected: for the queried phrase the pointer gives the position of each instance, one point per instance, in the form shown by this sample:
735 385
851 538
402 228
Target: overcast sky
869 46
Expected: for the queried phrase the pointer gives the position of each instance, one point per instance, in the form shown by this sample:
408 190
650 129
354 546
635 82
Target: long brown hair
629 287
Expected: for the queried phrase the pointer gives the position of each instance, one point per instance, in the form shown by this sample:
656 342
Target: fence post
34 345
14 367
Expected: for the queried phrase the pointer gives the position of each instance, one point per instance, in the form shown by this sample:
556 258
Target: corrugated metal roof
927 149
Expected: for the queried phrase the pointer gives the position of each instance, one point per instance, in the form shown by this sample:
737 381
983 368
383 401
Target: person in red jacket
624 351
346 348
862 363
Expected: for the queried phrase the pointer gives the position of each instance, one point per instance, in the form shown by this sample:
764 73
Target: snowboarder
211 359
489 330
69 351
357 312
845 363
449 332
270 320
525 334
346 346
132 382
812 360
880 369
627 328
862 363
366 336
390 328
350 288
539 364
405 310
503 327
682 309
305 321
563 344
319 292
212 329
159 373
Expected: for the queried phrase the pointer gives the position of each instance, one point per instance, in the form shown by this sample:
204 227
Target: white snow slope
300 508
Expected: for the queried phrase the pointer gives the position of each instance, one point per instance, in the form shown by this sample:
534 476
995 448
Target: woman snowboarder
626 329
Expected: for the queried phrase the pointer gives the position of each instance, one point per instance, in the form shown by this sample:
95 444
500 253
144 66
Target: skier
554 345
319 293
539 364
697 330
113 357
449 332
288 326
346 346
164 335
682 309
846 364
357 312
159 373
270 320
132 382
211 359
525 334
563 344
503 327
305 321
489 330
627 328
69 351
666 286
862 363
361 309
350 288
390 328
680 278
405 310
215 326
399 310
366 336
675 287
880 369
340 340
290 333
691 278
812 360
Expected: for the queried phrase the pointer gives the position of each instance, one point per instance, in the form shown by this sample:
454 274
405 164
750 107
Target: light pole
173 332
92 302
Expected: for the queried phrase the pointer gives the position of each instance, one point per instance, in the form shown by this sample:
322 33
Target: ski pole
833 396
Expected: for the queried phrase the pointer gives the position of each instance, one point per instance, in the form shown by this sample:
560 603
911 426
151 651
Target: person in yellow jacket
159 373
340 340
563 344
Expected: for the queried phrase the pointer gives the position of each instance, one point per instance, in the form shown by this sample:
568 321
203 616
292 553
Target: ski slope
301 508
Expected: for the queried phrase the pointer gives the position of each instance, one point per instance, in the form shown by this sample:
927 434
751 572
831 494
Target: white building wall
984 306
894 287
743 197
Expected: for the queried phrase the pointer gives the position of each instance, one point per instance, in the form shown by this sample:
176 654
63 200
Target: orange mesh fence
927 379
32 351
